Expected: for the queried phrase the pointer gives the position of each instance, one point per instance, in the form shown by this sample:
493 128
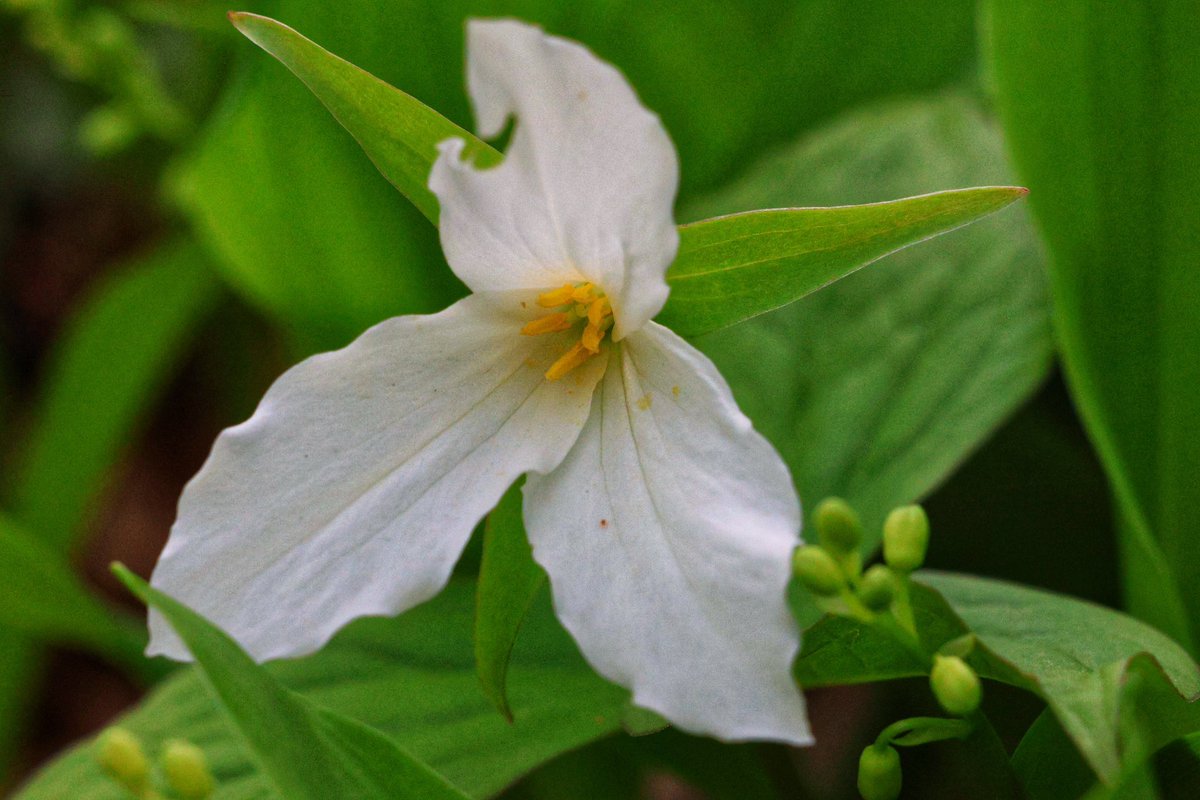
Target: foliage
816 139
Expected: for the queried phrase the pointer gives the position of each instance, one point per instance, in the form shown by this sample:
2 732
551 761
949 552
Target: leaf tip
241 20
136 586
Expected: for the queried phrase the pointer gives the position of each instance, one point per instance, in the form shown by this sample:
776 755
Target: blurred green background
180 220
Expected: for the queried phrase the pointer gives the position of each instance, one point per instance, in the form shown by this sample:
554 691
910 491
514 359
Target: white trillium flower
665 522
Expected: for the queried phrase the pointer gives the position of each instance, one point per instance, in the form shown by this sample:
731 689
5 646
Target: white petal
668 532
355 485
586 189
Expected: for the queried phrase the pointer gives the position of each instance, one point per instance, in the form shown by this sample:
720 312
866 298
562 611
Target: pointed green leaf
739 266
508 582
1103 120
305 751
116 355
413 677
398 132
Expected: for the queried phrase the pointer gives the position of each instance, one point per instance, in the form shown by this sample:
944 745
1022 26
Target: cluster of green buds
94 45
182 768
881 596
832 568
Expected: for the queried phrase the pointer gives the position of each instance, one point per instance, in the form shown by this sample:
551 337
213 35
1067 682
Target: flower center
573 304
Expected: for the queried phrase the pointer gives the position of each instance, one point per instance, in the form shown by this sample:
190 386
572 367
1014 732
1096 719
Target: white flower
665 522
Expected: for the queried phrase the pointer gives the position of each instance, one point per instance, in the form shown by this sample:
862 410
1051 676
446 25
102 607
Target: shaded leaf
509 579
1119 688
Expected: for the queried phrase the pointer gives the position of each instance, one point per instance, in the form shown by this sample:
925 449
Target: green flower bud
186 770
817 570
877 588
955 685
120 754
838 528
879 775
906 538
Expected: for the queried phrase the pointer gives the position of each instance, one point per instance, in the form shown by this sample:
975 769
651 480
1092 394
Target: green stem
856 607
920 730
902 605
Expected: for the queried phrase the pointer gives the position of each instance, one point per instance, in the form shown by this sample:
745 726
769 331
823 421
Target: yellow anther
575 303
591 338
584 293
598 310
556 297
568 361
551 323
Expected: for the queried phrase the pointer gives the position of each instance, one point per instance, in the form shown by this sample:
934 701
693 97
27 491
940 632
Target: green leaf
40 597
877 387
304 751
303 226
1048 764
509 581
1105 127
1119 688
399 133
412 677
116 355
736 267
837 651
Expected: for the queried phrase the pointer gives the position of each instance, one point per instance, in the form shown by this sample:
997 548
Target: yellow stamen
568 361
598 310
551 323
556 297
591 338
598 325
584 293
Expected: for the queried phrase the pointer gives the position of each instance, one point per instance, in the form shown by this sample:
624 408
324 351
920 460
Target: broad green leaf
509 581
1048 763
1119 688
412 677
41 598
1103 119
399 133
878 386
837 651
116 355
303 750
736 267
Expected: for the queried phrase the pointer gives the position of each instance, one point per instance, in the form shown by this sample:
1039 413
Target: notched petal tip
587 184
